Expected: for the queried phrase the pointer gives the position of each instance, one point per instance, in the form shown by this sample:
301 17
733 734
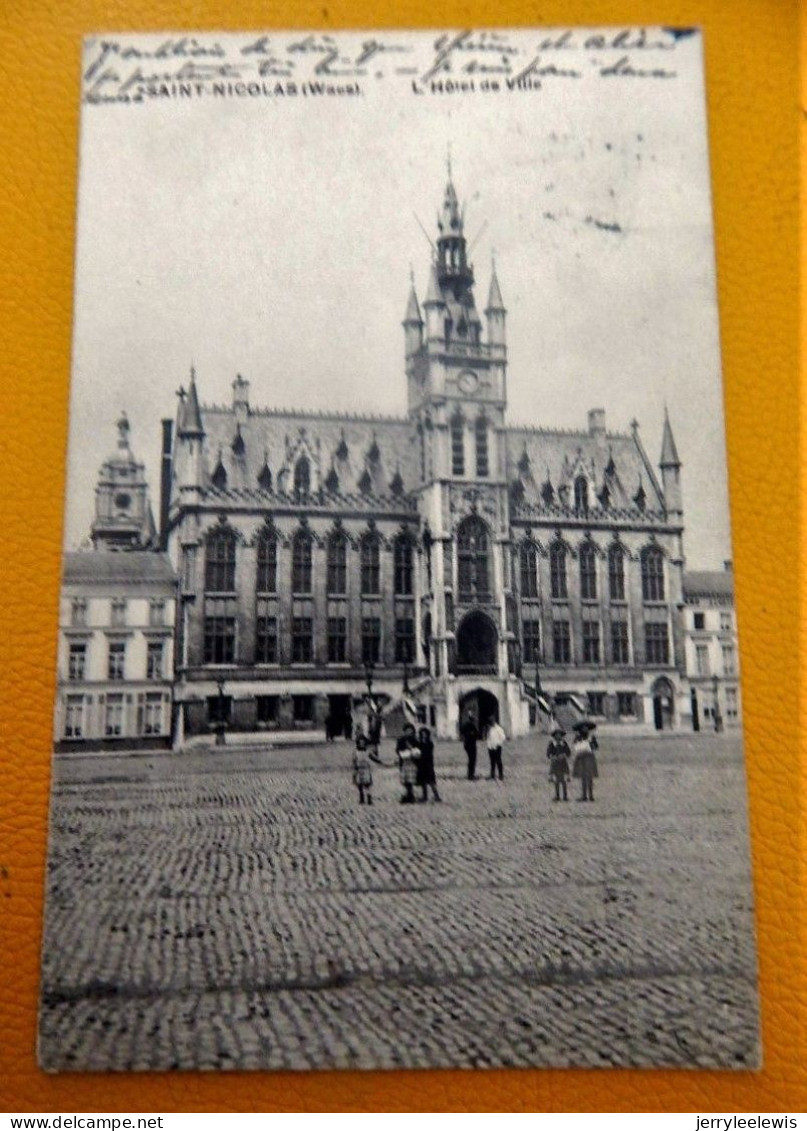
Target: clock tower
456 371
123 517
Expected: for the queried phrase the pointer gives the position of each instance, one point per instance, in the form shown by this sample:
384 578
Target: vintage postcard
399 720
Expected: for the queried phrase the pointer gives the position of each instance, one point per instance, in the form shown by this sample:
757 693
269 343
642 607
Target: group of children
584 766
415 751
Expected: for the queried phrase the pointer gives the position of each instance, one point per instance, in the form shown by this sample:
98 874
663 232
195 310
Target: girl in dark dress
425 775
558 754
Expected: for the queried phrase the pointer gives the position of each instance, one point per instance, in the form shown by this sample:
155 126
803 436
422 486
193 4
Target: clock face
468 382
122 501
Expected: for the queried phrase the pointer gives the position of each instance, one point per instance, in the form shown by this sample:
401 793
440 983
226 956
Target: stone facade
500 570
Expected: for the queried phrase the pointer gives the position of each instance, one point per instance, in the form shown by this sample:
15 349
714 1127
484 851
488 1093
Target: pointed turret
190 422
413 323
496 313
435 307
495 301
670 465
669 452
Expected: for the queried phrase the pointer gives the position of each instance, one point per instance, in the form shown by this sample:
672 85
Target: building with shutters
495 569
116 621
712 653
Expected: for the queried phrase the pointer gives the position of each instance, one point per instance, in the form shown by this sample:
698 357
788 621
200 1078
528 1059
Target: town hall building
488 569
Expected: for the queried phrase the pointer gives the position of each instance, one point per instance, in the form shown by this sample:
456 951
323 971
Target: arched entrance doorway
482 706
663 704
476 645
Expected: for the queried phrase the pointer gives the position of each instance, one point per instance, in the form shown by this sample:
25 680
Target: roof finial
123 430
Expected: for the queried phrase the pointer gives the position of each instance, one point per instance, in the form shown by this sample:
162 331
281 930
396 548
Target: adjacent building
712 655
116 621
492 568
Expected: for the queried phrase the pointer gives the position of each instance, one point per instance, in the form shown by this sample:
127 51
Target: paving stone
238 909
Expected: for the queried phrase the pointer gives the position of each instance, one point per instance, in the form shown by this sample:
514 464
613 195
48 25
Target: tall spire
454 273
669 452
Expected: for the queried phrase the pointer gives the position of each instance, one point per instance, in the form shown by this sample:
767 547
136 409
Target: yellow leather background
752 80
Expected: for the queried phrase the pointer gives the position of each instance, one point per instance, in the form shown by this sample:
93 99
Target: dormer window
265 477
581 494
302 478
219 476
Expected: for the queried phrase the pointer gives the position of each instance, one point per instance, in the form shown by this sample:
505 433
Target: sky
275 238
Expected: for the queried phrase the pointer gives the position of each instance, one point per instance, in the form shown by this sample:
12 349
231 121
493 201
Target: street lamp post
221 726
718 718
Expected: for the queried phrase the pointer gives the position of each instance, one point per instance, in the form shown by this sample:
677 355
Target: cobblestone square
237 908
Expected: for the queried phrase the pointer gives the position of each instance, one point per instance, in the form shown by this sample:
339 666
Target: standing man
470 737
496 739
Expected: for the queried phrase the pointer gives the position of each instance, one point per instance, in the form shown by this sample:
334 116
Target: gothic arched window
557 571
403 563
220 562
581 494
528 562
652 574
588 572
337 563
457 444
616 573
266 580
302 478
301 562
473 558
370 565
481 439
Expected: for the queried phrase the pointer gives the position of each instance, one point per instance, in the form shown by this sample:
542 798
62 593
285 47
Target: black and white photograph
398 719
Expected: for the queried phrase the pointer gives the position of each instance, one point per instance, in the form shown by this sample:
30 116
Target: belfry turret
123 518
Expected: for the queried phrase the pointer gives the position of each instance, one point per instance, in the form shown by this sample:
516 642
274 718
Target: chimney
596 422
165 483
241 399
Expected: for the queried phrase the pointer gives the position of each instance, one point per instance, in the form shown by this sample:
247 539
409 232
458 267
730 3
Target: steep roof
536 457
128 567
708 583
372 457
